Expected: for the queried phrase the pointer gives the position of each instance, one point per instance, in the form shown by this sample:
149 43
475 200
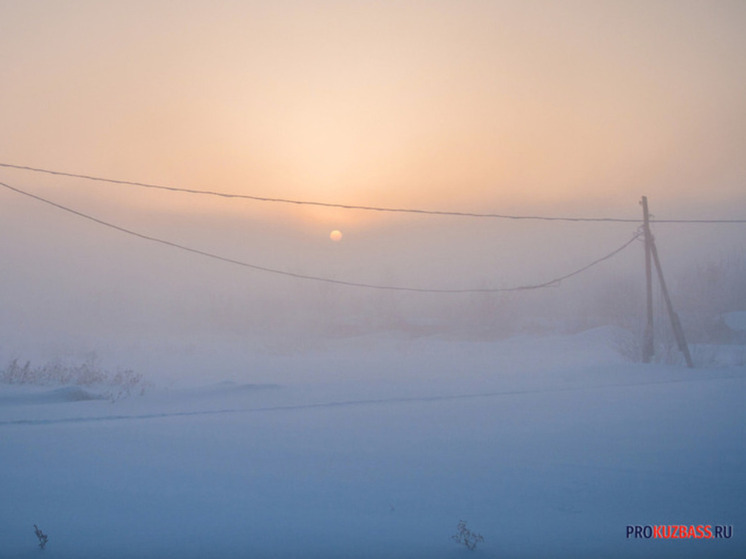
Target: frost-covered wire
550 283
317 203
362 207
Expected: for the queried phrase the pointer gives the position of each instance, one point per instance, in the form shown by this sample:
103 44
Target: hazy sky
446 104
554 108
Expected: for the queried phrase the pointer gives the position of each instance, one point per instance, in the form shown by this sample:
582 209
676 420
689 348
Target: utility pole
678 331
651 256
647 344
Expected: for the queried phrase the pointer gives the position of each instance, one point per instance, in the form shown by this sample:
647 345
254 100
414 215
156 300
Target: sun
336 235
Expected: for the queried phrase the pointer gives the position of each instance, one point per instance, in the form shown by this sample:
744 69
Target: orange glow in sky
457 105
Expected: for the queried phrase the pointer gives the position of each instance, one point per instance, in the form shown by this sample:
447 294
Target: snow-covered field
378 446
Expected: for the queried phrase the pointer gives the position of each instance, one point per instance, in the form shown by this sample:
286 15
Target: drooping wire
550 283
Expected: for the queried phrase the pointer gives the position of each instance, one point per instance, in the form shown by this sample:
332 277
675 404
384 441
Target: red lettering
680 531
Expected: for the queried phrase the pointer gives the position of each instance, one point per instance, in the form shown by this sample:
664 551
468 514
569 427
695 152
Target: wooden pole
678 331
648 347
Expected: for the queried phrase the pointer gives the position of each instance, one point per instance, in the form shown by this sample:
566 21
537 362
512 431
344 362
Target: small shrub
123 384
116 386
42 537
466 537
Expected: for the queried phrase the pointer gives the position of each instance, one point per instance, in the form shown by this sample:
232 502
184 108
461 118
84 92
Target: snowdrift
377 447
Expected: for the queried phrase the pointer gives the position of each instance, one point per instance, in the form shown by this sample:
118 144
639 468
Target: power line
702 221
256 267
321 204
360 207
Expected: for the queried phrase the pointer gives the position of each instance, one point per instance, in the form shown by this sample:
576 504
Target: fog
193 376
72 288
519 108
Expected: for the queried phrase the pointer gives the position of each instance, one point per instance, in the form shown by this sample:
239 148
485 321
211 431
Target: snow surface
736 320
376 447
